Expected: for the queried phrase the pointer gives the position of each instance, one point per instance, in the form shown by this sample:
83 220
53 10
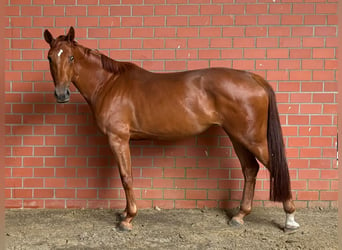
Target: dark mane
113 66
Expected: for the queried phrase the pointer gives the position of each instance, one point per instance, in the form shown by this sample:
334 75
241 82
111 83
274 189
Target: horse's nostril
64 97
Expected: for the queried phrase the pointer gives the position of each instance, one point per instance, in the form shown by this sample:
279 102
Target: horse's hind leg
250 168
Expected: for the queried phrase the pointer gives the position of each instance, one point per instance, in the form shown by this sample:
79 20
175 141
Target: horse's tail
280 188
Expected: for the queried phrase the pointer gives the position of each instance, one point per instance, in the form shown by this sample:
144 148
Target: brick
256 8
175 65
86 193
233 31
222 20
314 19
98 33
300 53
256 31
211 9
162 183
53 11
76 203
152 194
185 183
323 97
326 8
301 75
76 183
174 172
209 54
246 20
174 194
164 32
268 20
332 20
231 10
21 193
141 33
13 182
33 182
97 11
131 21
328 195
13 203
330 64
306 8
325 31
313 42
289 42
54 182
196 194
307 195
323 53
255 53
193 65
33 161
165 10
277 53
243 42
33 204
279 31
302 31
185 204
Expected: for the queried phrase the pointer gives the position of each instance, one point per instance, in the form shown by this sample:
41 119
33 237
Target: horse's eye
71 58
49 58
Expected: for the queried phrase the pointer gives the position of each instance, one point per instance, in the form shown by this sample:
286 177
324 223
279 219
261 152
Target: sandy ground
168 229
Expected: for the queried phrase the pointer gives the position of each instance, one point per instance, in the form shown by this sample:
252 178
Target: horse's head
61 61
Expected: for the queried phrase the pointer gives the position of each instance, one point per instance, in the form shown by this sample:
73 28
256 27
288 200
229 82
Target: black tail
280 189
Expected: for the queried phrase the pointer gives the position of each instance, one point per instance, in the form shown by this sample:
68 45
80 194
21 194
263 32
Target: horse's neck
89 75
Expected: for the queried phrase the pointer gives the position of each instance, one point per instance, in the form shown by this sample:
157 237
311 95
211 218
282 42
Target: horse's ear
48 37
71 34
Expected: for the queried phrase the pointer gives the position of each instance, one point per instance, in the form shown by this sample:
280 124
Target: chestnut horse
129 102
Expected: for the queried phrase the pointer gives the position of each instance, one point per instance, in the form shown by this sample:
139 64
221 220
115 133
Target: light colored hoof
290 230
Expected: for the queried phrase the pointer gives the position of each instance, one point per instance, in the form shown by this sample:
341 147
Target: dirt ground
169 229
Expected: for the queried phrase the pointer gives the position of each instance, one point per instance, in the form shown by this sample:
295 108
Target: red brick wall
56 157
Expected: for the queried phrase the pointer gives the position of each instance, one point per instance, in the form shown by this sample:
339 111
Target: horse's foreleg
250 168
120 148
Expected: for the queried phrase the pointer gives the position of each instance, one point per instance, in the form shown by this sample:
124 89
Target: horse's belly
176 125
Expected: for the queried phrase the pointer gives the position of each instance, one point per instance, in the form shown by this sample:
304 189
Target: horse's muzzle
63 97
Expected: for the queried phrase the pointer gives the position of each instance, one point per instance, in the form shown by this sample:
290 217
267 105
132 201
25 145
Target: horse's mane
107 63
114 66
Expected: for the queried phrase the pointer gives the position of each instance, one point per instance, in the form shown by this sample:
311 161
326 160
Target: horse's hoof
235 223
290 230
125 226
